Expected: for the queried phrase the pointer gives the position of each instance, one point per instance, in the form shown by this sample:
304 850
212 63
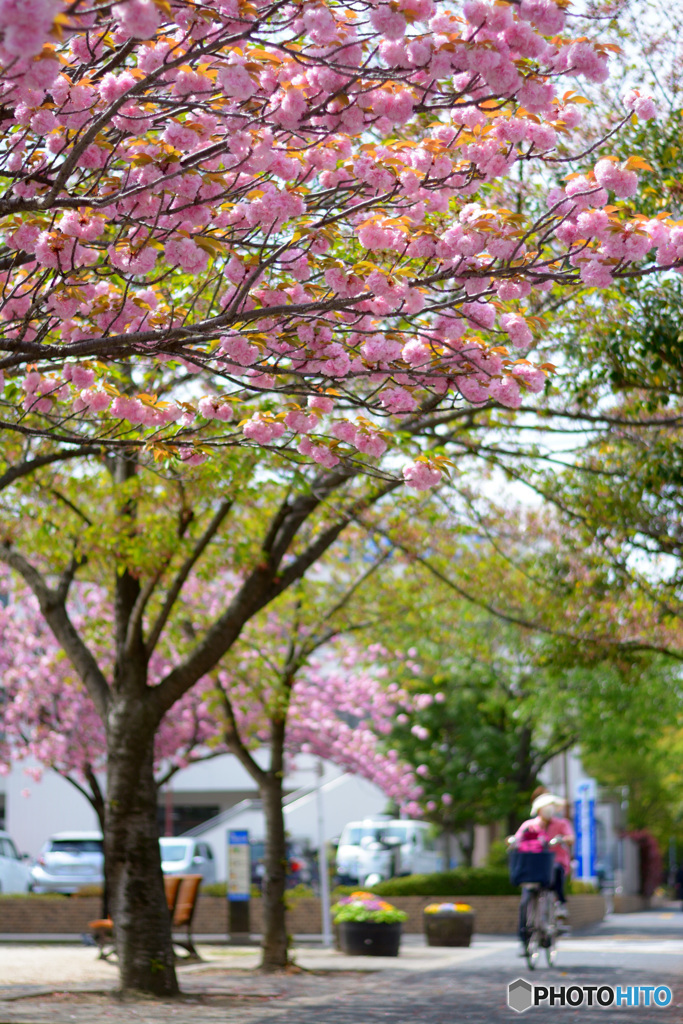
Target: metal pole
322 862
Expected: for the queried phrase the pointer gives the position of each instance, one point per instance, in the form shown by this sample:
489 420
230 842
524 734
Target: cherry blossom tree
277 234
296 681
289 200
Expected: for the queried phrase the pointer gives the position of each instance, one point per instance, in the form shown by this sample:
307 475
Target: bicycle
538 920
541 929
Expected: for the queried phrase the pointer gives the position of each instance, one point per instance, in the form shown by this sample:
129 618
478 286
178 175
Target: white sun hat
543 800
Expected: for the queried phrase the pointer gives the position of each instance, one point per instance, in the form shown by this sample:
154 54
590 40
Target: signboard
584 826
239 865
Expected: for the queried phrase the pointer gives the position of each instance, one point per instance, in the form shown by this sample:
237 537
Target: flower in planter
448 908
364 906
448 924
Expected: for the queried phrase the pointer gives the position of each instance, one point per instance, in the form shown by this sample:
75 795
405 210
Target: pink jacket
561 827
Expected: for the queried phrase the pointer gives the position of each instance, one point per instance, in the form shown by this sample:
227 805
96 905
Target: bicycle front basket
531 867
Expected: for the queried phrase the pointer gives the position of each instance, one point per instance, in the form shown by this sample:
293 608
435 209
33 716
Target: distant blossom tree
338 709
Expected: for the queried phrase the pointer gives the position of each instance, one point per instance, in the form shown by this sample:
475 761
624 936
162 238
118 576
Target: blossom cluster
48 715
251 195
339 709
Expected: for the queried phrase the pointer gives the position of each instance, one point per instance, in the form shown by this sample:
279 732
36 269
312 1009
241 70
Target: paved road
421 987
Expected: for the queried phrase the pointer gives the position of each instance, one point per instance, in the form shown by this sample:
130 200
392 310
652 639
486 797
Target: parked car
68 861
15 874
181 855
302 867
373 850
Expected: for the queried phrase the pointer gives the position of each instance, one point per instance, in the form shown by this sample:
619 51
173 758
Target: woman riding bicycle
535 836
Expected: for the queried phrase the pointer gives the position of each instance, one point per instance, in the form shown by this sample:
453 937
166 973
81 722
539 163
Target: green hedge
575 887
459 882
221 889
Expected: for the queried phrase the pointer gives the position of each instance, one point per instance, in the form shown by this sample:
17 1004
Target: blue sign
238 837
584 826
239 865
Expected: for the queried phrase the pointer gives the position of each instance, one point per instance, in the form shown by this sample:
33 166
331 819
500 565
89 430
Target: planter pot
369 938
449 929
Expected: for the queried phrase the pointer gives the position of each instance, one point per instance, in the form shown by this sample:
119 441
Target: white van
378 848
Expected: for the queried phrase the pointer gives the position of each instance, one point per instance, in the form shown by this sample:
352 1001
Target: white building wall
36 810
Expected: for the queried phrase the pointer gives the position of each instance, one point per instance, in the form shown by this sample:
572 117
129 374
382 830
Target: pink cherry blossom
533 377
596 274
189 256
506 391
262 431
25 25
138 19
617 178
368 442
517 329
299 422
421 477
642 106
237 348
344 431
321 402
546 15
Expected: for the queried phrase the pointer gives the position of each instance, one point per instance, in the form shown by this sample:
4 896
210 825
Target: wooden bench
183 912
181 897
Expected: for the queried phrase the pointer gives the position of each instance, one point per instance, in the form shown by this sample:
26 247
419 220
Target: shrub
459 881
576 887
89 890
31 896
221 889
498 854
214 889
489 881
297 893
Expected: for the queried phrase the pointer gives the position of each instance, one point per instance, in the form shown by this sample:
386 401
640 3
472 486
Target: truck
375 849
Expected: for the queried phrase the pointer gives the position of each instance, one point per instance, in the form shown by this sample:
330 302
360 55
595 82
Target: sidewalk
44 966
63 984
54 983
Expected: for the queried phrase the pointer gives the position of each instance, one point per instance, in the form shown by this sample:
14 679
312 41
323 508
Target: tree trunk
524 777
275 945
466 840
142 925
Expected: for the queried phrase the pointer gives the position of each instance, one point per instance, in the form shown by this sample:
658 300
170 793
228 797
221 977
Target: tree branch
183 573
233 739
25 468
53 608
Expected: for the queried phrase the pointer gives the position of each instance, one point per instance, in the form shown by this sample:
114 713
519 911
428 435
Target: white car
68 861
181 855
15 874
373 850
